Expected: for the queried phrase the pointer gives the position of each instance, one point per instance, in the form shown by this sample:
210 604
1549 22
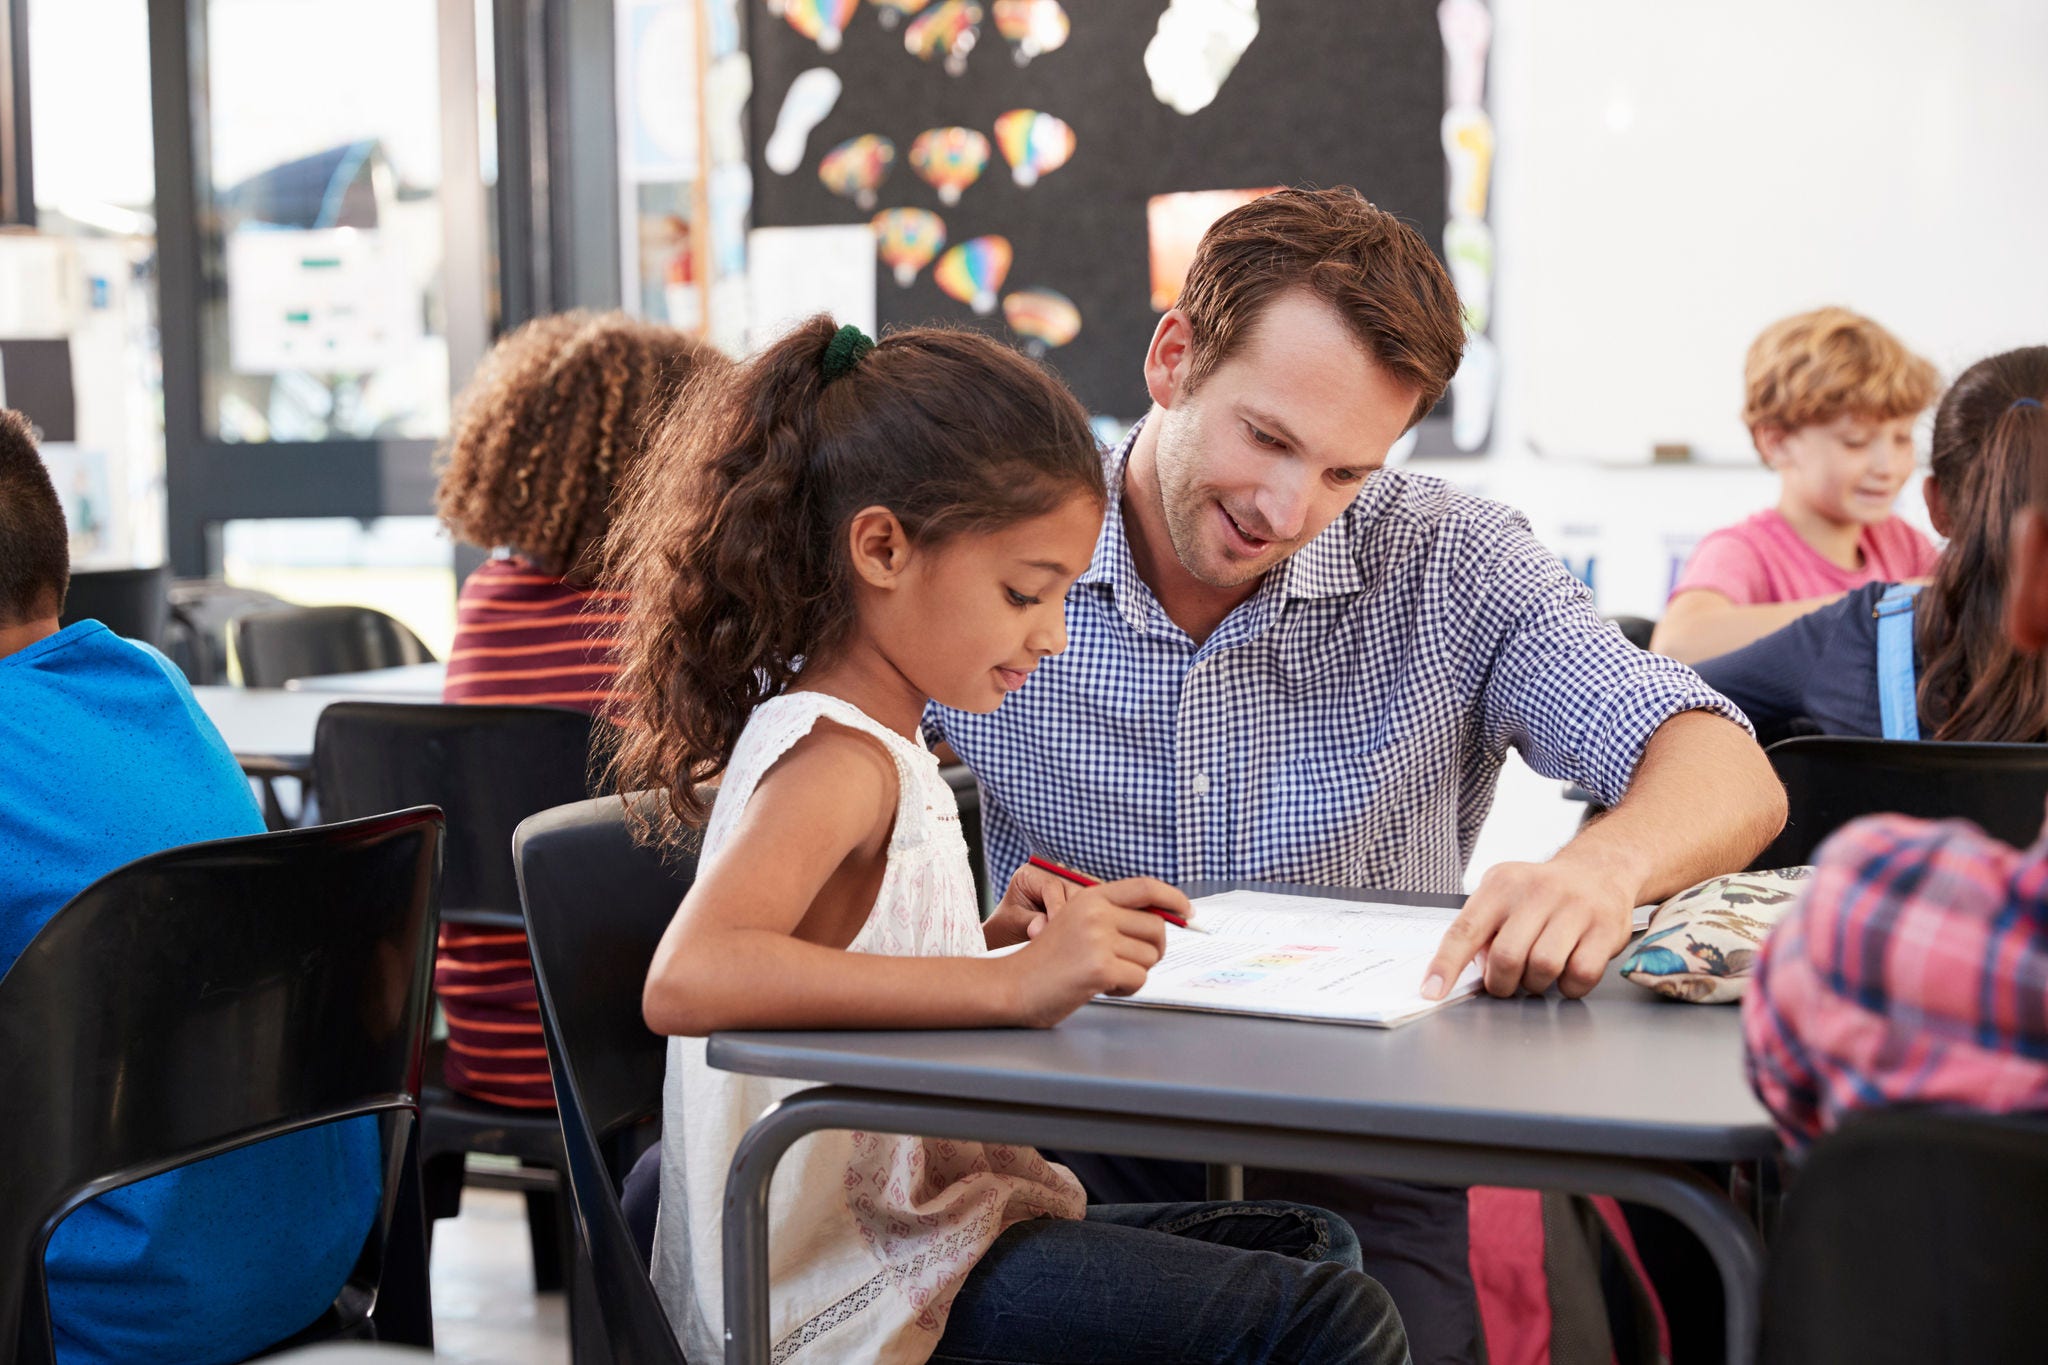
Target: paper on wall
811 97
794 272
1196 48
324 300
658 80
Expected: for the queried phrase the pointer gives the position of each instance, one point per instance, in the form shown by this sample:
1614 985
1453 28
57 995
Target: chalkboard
1330 92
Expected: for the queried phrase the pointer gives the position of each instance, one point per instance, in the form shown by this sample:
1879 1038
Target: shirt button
1201 784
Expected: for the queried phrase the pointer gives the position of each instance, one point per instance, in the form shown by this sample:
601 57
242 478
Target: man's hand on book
1539 924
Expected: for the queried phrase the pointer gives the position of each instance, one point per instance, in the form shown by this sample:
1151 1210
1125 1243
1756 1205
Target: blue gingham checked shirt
1345 726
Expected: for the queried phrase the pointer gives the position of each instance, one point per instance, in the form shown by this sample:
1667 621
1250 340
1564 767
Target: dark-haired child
1913 971
555 417
105 757
1954 674
836 538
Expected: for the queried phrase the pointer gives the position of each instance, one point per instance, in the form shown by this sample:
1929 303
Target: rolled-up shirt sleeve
1565 689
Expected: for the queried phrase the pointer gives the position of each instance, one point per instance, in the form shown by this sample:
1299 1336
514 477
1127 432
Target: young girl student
1830 400
1892 661
558 413
831 538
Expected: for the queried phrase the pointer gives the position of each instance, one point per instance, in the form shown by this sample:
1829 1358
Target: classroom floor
485 1310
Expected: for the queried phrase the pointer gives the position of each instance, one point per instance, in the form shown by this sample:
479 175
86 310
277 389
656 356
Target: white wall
1677 175
1673 176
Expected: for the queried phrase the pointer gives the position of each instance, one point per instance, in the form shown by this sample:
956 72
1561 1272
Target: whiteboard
1684 174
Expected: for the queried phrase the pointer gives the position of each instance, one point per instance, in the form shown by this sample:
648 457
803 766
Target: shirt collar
1325 567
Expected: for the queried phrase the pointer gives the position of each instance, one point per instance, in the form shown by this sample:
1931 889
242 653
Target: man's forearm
1704 801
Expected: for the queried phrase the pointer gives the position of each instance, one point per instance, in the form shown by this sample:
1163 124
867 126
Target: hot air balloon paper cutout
1045 318
973 272
946 32
857 167
949 159
823 21
892 11
907 239
1033 27
1033 143
811 96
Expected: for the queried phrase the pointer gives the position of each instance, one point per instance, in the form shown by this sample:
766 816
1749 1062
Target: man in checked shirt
1286 665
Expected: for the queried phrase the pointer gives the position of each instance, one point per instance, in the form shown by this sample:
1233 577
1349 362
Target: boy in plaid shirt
1916 971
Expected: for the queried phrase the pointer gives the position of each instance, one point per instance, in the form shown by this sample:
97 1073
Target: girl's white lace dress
870 1234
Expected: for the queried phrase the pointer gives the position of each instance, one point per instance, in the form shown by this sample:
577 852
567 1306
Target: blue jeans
1175 1284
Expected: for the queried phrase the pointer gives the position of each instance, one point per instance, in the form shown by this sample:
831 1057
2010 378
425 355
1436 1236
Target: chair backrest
204 998
967 793
486 767
1637 630
596 906
133 603
202 611
1912 1235
276 646
1831 780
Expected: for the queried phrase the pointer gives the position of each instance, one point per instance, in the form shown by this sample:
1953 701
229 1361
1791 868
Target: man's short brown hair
1814 367
1377 272
35 546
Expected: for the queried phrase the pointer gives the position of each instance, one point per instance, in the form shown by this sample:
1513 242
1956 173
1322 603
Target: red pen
1083 879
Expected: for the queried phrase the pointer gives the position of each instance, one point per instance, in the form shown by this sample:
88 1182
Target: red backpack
1536 1267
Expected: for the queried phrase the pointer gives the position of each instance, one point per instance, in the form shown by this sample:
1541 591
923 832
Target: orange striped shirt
522 637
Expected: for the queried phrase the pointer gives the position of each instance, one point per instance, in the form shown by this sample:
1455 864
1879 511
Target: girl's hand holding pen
1102 941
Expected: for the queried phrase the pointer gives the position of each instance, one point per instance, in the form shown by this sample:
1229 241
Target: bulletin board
1329 92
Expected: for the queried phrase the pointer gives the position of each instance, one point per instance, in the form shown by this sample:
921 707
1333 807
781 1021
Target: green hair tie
847 347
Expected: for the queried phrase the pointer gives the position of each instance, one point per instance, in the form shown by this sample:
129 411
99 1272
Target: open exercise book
1304 957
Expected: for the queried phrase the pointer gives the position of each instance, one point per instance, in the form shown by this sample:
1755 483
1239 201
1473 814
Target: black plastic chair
211 996
596 906
1637 630
133 603
276 646
1912 1236
202 610
967 792
487 768
1831 780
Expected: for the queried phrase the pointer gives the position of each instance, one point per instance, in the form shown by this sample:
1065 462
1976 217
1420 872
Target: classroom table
1612 1094
407 682
269 730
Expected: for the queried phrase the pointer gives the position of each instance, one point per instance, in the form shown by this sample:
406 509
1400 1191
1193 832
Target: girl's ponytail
1973 684
718 556
727 544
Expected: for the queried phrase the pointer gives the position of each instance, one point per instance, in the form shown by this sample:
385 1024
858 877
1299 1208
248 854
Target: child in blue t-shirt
105 757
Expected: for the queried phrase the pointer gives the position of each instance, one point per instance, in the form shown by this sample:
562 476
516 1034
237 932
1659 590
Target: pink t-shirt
1762 559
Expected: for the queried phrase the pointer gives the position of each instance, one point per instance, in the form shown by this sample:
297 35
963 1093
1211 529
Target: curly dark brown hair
551 422
731 546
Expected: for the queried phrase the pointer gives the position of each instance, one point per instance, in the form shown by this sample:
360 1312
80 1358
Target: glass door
325 254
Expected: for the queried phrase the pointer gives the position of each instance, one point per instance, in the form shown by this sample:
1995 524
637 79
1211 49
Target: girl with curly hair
833 538
559 412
